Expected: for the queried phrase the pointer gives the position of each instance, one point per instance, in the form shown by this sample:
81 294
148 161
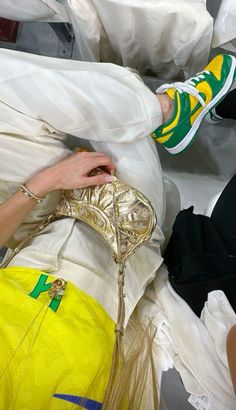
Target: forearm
12 214
14 211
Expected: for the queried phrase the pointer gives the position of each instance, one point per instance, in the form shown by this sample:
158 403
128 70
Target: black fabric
198 258
227 107
224 215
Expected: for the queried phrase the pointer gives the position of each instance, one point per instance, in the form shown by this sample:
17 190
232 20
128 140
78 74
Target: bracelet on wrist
25 191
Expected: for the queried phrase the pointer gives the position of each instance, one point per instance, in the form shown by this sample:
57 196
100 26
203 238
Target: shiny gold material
94 205
57 289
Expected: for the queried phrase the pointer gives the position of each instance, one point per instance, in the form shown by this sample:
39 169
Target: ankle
167 106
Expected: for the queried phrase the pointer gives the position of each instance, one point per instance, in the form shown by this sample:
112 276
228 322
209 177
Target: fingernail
109 178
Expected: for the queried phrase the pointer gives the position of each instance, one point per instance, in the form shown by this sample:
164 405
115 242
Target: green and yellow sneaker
193 99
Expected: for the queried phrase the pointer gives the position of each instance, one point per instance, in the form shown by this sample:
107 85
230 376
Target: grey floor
40 38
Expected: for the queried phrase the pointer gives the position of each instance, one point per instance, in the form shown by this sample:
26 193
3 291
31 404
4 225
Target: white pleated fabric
195 347
42 99
225 26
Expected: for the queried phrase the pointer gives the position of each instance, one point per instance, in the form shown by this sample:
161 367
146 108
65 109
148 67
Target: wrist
40 184
29 194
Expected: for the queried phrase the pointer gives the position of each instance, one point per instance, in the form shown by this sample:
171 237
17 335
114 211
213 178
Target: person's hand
73 172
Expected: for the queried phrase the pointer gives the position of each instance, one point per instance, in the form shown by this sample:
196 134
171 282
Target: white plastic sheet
225 26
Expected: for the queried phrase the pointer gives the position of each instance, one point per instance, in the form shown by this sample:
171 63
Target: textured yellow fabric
45 352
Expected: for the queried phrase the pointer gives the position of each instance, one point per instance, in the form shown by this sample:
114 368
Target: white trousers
154 36
162 37
43 99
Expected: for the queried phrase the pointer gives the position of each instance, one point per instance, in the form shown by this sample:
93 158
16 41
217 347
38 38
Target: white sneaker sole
192 132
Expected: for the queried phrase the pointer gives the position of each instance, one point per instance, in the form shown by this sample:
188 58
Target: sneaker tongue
171 93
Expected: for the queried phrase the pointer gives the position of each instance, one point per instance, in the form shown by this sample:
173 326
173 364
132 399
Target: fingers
97 180
96 160
102 162
75 171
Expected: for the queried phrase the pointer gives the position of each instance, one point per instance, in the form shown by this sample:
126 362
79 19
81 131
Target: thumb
100 179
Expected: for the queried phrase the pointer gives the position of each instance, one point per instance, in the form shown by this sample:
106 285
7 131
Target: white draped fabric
162 37
196 347
33 10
